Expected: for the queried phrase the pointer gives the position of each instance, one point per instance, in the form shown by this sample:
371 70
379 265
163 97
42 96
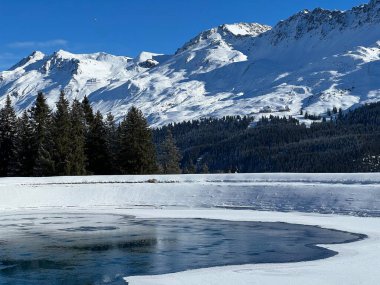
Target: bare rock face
149 63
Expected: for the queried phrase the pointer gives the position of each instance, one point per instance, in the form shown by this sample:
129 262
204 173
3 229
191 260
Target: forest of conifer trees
75 140
340 142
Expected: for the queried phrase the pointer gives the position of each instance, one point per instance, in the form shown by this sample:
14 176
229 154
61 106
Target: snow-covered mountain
314 60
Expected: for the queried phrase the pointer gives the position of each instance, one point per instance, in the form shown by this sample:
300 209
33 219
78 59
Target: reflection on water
101 249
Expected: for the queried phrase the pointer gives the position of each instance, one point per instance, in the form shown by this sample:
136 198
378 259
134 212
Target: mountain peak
245 29
98 56
226 32
321 22
37 54
63 54
30 59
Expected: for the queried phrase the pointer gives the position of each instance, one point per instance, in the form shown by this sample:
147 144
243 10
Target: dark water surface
80 249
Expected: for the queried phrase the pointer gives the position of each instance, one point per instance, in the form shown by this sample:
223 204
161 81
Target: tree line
75 140
341 142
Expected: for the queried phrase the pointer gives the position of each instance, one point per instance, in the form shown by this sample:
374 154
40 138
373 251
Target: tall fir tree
8 136
88 119
62 136
78 140
137 151
88 112
169 156
112 141
25 157
99 158
42 138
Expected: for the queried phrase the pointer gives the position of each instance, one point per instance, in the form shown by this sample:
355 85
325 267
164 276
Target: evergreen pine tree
25 157
78 140
8 132
340 114
169 157
99 158
42 138
88 112
62 136
137 151
112 141
88 118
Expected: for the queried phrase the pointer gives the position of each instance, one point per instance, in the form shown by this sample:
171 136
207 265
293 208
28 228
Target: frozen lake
84 248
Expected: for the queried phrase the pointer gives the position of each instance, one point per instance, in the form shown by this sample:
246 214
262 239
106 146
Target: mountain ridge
314 61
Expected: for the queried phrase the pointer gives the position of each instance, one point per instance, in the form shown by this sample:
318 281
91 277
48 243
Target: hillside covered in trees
340 143
75 140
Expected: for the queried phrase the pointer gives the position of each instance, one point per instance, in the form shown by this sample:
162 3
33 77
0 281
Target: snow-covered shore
199 196
345 178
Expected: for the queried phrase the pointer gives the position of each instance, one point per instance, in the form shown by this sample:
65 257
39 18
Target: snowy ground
198 196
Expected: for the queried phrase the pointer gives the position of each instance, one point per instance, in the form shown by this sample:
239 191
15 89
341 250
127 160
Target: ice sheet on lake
353 194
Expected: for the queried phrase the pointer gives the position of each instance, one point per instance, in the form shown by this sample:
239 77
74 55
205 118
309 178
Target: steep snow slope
314 60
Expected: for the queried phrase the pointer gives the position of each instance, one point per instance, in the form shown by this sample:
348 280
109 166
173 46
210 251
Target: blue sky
126 27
